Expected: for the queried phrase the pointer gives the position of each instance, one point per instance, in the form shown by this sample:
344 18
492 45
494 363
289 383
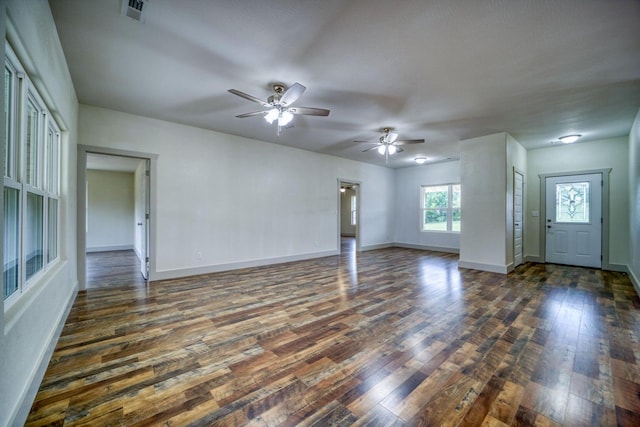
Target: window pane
32 144
33 234
455 196
572 202
52 161
8 148
52 228
455 220
435 219
436 197
353 210
11 240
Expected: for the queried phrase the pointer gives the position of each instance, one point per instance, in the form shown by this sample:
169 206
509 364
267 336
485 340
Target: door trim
81 208
605 212
524 216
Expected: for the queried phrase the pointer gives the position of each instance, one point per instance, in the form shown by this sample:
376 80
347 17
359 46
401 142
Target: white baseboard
110 248
374 247
616 267
635 281
493 268
196 271
427 248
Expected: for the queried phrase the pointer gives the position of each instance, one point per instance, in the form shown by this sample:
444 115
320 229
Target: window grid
31 183
440 207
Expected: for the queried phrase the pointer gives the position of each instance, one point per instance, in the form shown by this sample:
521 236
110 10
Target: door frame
604 243
81 208
523 214
358 191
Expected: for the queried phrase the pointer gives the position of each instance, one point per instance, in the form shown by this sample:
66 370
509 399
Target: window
440 208
31 182
572 202
354 212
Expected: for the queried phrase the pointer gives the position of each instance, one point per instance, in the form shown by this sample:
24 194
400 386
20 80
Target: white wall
111 219
634 202
407 206
225 201
483 173
609 153
30 325
346 229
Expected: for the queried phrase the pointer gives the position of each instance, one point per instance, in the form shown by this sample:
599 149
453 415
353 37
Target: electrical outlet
199 256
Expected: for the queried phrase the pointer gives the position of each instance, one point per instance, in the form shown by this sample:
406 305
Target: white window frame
46 169
449 208
354 209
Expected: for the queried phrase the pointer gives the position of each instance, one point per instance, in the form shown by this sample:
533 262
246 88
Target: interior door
574 220
144 224
518 192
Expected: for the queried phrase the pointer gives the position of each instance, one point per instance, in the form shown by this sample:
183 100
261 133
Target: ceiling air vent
135 9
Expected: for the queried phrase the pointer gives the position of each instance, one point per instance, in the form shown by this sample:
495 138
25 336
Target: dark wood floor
387 337
113 268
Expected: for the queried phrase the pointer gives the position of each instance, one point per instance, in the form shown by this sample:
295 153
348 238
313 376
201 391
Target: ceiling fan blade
375 147
249 97
309 111
290 95
254 113
409 141
391 137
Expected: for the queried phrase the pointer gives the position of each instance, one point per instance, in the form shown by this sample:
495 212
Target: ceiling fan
278 106
389 144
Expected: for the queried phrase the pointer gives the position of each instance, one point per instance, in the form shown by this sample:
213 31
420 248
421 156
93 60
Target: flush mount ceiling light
420 160
569 139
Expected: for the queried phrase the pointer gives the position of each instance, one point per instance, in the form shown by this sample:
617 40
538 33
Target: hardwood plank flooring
391 337
113 268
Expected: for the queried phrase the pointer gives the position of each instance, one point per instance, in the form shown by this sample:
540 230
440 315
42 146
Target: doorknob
548 226
140 224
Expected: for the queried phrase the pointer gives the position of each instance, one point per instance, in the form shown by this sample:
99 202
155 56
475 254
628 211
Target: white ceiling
443 70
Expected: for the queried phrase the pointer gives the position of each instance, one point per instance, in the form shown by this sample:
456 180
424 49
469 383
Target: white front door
518 192
574 220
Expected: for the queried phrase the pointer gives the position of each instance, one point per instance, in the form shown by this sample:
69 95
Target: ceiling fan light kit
278 106
389 144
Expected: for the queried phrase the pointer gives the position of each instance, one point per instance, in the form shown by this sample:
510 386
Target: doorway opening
575 218
348 216
115 217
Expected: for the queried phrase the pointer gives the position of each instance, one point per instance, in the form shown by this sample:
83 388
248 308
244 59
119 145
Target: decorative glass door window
572 202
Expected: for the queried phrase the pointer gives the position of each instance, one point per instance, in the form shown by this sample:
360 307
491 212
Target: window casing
31 183
440 208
